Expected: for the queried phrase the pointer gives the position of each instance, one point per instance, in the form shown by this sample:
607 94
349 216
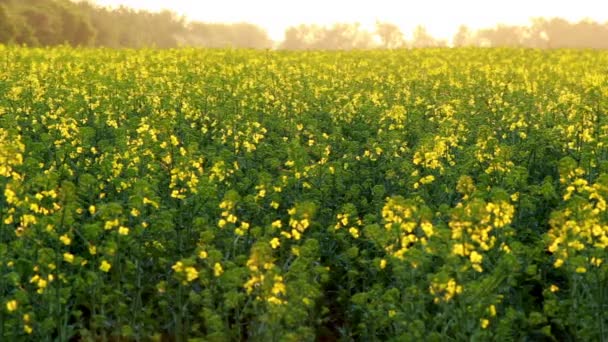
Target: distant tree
390 35
302 37
165 29
464 37
559 33
8 30
340 36
502 36
421 38
76 28
343 36
25 34
592 34
241 35
245 35
45 26
106 32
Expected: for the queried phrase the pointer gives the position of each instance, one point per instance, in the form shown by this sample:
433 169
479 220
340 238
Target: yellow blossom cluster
188 273
298 223
264 279
396 117
580 229
220 171
245 138
43 203
227 214
352 226
436 154
444 290
473 228
41 282
403 219
11 154
494 157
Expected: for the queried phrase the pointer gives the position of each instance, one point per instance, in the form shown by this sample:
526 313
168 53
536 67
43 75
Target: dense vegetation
444 194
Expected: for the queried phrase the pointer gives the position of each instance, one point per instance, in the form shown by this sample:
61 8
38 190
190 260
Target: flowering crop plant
229 195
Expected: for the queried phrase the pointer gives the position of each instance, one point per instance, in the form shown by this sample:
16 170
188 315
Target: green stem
600 312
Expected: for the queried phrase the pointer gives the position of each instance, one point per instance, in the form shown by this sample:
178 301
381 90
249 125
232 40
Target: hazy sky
440 17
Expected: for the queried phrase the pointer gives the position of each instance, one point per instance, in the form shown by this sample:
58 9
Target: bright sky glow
440 17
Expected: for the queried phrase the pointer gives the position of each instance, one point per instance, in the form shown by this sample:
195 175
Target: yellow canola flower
10 195
475 257
12 305
427 228
178 267
65 240
105 266
427 180
151 202
278 287
191 273
275 243
296 234
123 230
68 257
343 219
217 269
275 300
111 224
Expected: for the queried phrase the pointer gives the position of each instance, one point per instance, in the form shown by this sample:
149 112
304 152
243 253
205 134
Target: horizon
441 18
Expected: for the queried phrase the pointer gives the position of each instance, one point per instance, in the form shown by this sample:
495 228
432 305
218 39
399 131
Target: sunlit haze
440 17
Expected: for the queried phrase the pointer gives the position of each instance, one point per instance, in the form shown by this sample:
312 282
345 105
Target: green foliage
239 195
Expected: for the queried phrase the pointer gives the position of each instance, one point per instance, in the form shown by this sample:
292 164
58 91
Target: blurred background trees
390 35
81 23
54 22
340 36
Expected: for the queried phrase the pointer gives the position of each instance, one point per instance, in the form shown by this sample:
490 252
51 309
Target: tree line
541 33
54 22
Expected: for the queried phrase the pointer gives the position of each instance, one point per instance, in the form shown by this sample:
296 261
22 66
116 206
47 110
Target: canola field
231 195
